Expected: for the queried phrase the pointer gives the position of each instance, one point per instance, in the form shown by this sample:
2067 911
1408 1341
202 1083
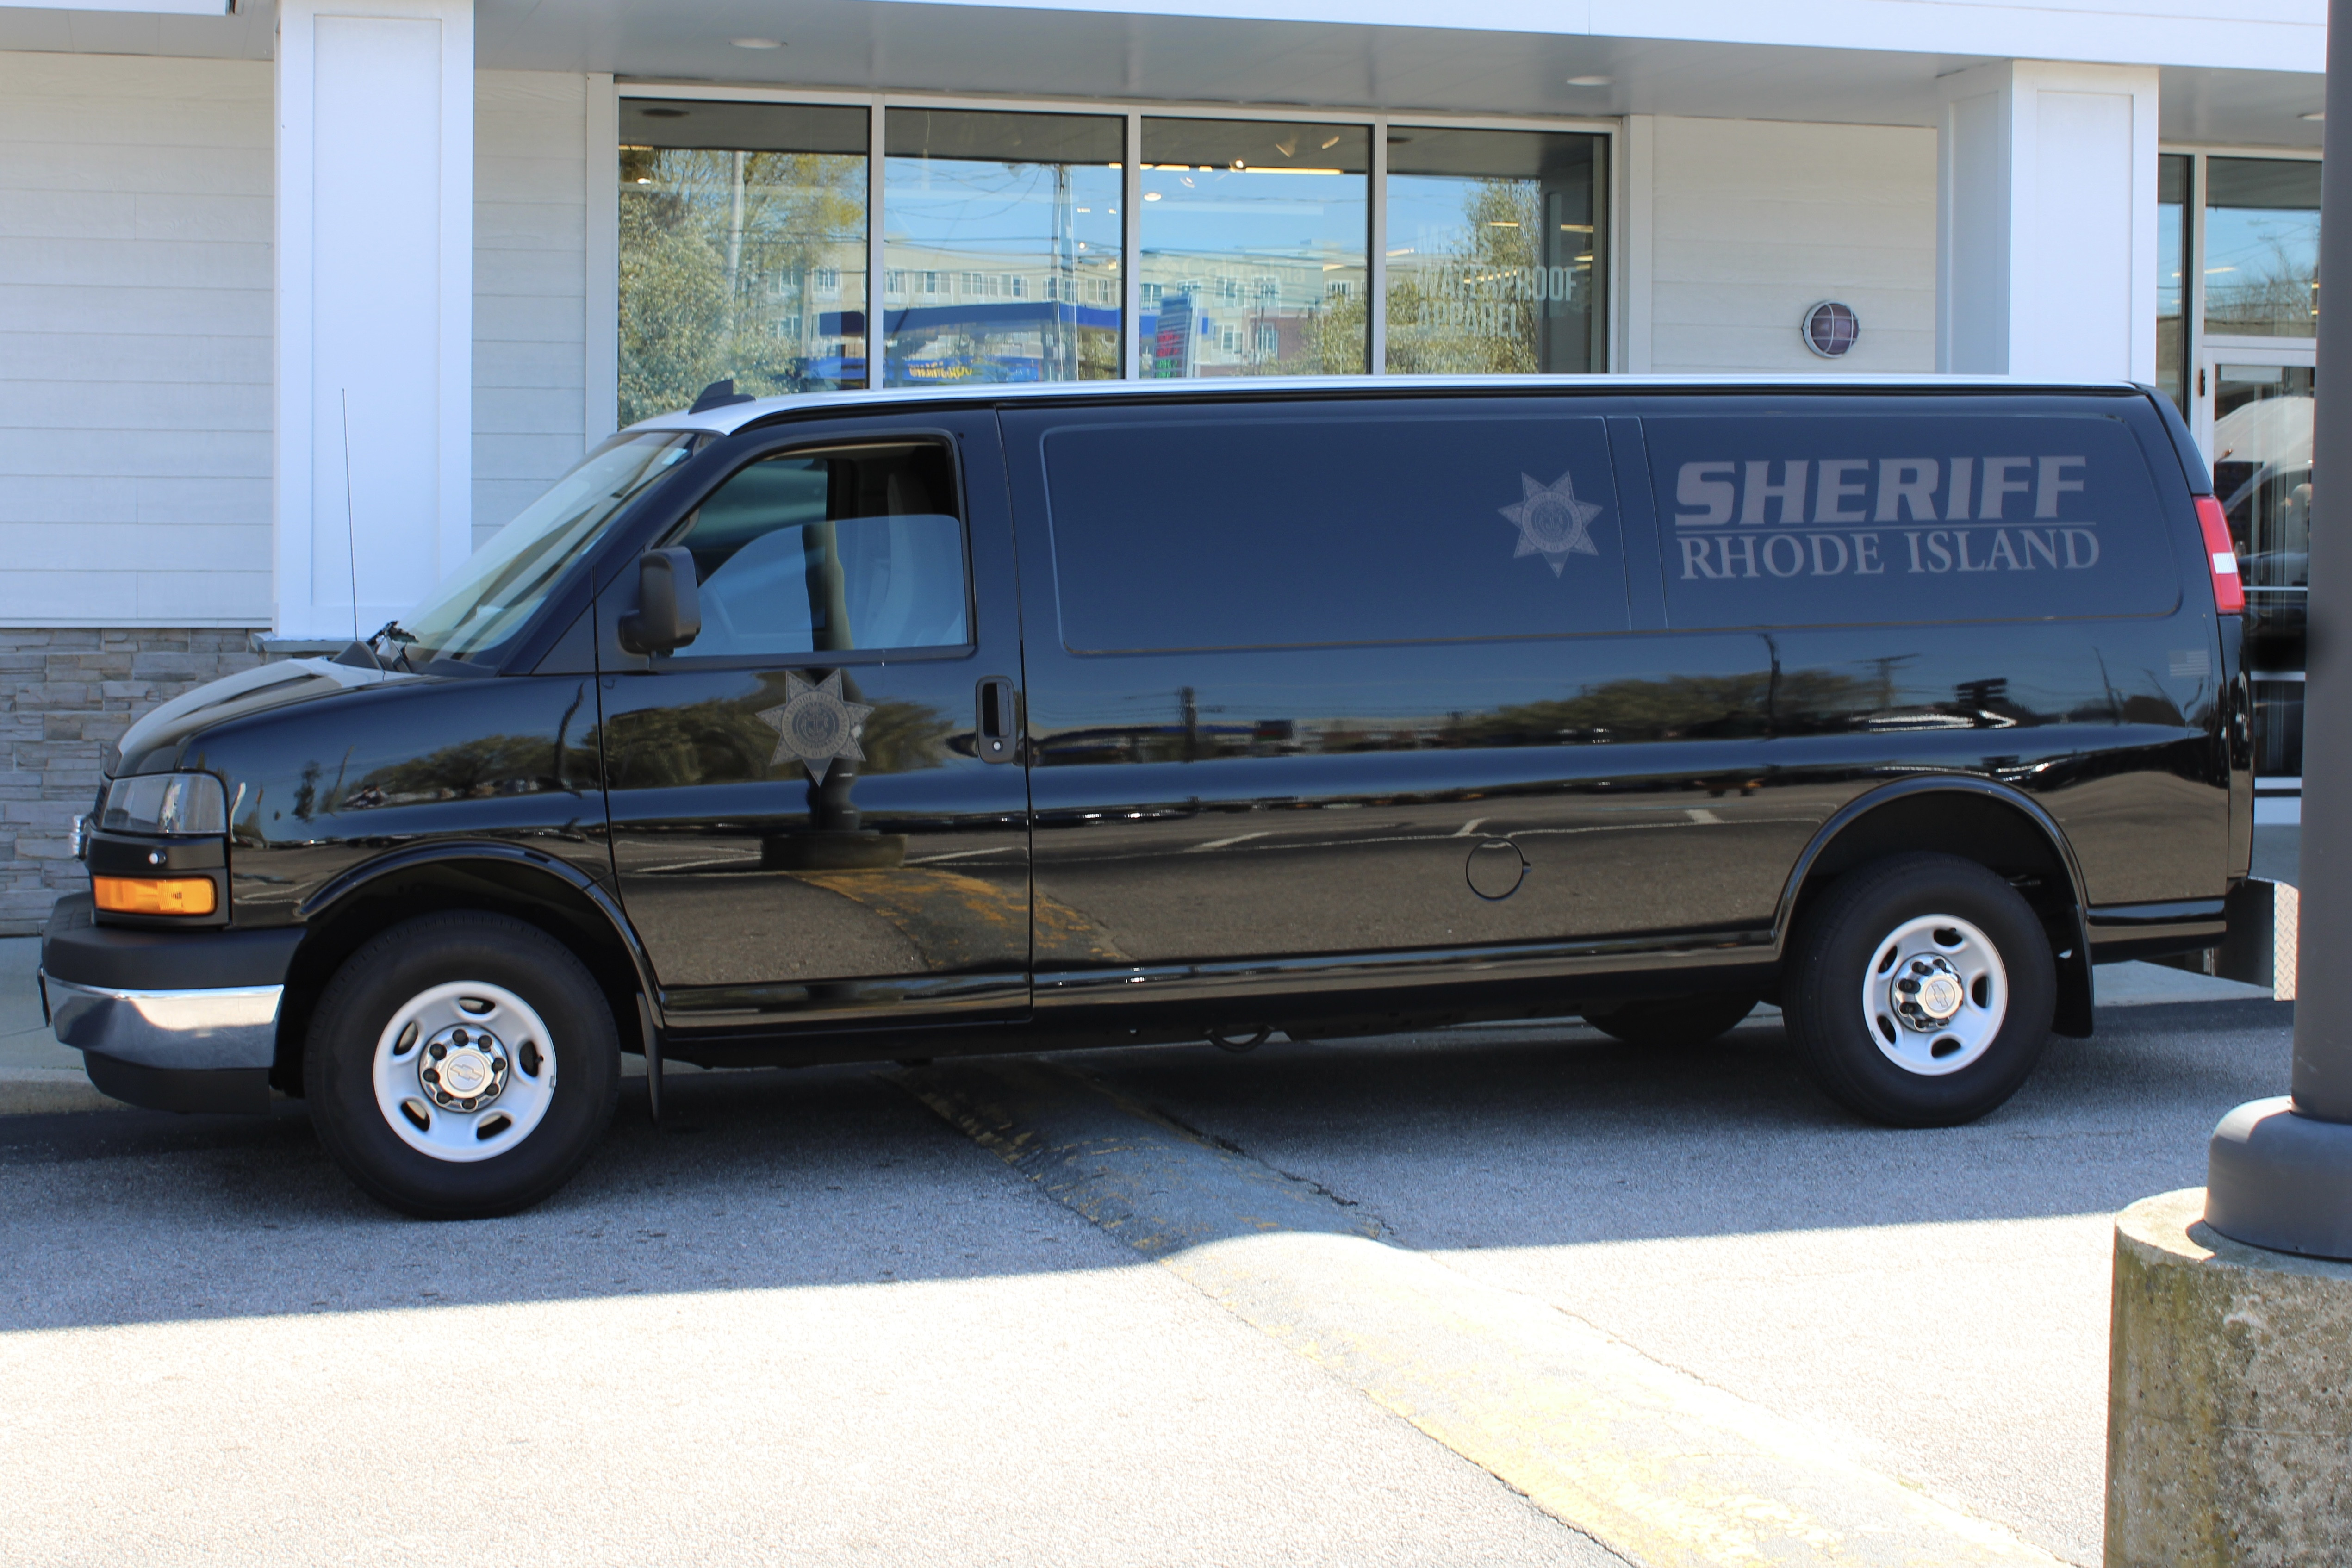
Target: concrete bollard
2228 1399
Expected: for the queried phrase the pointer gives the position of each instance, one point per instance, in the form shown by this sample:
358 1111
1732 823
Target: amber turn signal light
154 895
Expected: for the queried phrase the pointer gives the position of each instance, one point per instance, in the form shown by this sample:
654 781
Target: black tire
1675 1021
392 973
1838 950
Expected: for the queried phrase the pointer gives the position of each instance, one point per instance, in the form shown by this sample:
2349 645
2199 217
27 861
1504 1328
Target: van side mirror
669 602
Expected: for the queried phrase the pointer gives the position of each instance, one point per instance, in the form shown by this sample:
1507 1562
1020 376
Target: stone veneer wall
66 696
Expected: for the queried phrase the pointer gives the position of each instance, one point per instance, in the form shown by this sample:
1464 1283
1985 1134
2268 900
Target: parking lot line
1650 1461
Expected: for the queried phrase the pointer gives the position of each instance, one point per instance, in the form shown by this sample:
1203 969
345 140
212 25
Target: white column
2046 221
1636 244
601 153
376 307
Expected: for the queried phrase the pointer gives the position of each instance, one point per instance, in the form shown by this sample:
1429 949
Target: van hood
153 743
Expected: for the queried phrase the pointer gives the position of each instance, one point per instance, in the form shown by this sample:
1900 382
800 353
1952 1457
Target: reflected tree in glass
1493 252
747 266
1469 308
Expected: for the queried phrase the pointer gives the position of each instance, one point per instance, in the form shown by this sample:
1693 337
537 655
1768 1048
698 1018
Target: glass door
2254 408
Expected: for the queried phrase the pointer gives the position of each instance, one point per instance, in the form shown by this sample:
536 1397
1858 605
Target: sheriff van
1003 718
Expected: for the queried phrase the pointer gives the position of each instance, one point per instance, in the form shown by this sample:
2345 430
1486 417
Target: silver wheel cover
1935 995
499 1062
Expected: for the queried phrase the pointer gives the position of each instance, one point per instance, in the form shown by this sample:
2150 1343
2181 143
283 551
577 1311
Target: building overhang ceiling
2242 90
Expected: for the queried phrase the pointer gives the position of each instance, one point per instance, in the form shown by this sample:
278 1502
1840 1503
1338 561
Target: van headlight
174 805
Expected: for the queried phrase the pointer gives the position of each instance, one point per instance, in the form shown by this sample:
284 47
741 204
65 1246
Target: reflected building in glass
1254 237
742 249
1495 252
1001 247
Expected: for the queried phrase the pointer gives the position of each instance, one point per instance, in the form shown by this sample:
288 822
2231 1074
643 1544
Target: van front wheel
461 1066
1921 991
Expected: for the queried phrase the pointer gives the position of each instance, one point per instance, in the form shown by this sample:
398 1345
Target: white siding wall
135 284
1754 220
529 273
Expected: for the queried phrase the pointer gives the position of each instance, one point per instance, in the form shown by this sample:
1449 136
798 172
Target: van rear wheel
1671 1022
1921 991
461 1066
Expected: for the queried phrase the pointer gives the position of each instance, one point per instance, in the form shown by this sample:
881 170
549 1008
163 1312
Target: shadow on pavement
1535 1135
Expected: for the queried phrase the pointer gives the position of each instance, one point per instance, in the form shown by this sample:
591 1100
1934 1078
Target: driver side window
825 551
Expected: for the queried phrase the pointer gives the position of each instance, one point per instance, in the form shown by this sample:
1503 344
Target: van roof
733 417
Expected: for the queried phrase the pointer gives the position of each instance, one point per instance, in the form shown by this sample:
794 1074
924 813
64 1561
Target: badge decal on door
816 724
1553 522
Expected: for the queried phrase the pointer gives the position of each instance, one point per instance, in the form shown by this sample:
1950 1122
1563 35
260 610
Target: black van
869 726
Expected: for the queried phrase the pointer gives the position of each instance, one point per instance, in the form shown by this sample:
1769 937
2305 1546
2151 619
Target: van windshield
506 580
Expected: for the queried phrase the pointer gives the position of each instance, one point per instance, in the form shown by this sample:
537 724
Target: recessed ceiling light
1591 81
2316 114
757 43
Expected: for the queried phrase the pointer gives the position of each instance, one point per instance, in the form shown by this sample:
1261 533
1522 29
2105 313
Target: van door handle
997 740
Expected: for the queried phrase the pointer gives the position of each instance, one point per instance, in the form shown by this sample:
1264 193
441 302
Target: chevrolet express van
856 727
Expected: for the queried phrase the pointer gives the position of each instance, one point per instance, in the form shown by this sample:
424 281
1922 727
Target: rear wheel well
537 898
1995 835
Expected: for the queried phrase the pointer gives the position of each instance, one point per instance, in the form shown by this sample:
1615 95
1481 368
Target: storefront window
1001 247
1255 240
1496 248
2262 248
2171 277
742 250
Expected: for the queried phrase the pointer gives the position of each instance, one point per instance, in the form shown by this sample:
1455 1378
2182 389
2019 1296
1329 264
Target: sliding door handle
997 738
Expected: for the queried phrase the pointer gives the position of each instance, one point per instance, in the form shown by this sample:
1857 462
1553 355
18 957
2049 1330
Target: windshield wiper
400 638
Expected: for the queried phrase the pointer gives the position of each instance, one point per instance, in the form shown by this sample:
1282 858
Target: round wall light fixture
1830 328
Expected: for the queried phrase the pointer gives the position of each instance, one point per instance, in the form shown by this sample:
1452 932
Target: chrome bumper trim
205 1030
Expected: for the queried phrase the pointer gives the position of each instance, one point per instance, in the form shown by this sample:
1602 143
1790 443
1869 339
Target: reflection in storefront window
2262 248
2262 472
2171 276
742 250
1495 250
1255 240
1001 257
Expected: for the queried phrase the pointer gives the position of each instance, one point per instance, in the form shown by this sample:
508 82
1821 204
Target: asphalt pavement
809 1321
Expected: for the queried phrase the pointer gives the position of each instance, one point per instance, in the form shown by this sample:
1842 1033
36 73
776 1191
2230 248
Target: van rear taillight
2220 557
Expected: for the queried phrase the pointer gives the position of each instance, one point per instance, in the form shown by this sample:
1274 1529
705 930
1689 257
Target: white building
300 301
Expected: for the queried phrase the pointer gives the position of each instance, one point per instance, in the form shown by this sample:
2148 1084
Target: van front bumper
122 998
212 1029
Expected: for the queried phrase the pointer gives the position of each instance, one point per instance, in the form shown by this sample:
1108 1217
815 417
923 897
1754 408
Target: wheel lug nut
437 1050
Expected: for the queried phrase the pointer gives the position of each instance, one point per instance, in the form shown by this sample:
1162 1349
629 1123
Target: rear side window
1255 527
828 552
1801 520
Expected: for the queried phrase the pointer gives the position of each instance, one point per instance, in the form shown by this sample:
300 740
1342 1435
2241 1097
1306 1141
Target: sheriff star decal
816 724
1553 522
